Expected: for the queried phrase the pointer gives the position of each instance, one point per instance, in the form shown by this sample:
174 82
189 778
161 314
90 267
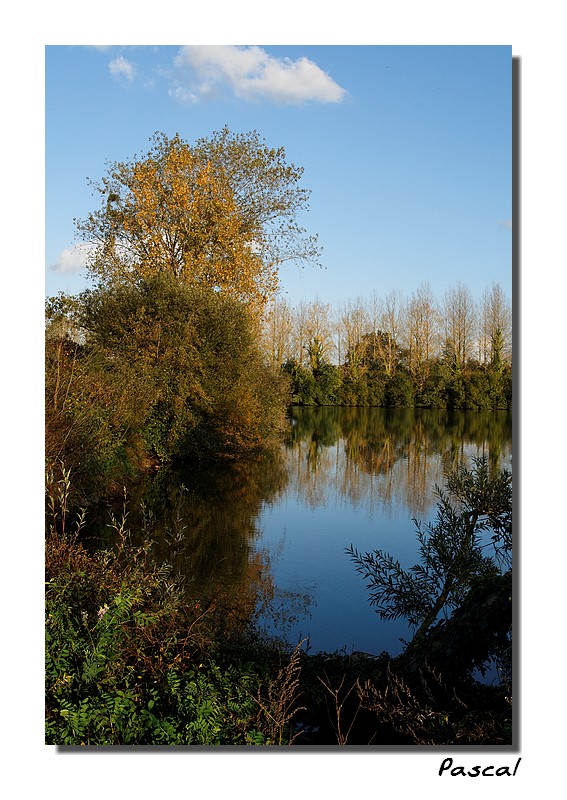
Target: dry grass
280 705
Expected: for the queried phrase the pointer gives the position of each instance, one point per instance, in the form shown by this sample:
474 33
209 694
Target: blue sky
407 150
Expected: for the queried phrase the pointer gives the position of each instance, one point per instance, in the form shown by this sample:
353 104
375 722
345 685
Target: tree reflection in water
377 455
202 520
343 475
359 476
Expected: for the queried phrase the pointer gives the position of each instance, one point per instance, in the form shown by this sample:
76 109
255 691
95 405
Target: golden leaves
221 212
179 214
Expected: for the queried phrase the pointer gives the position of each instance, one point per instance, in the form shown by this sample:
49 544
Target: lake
269 534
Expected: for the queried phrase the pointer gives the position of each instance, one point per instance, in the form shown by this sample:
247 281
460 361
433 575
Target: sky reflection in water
270 534
359 476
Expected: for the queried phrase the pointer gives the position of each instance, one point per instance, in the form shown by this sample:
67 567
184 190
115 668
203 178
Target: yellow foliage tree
220 213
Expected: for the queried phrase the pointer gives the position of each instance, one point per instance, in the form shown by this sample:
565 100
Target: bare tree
314 332
459 322
353 324
421 334
391 320
277 332
495 338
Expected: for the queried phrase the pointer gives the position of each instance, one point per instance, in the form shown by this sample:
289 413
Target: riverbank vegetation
161 372
134 657
161 359
158 368
175 354
397 351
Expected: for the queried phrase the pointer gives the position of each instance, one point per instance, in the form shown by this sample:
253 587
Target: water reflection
359 476
202 519
389 456
266 537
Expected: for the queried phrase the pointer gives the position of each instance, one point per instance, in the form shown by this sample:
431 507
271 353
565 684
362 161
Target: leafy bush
162 371
132 659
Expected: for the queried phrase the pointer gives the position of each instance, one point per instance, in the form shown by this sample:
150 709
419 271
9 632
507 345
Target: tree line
396 351
183 346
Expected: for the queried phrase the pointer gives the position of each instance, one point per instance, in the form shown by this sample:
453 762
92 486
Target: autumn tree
161 357
221 213
267 193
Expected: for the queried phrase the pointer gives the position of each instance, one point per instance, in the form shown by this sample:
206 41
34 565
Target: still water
269 535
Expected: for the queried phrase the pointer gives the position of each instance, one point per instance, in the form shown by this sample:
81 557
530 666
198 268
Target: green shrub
132 659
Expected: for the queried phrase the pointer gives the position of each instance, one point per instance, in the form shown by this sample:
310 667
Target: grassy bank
132 659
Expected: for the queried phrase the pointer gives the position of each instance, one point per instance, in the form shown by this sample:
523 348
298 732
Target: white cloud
122 68
184 95
505 224
253 74
73 259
